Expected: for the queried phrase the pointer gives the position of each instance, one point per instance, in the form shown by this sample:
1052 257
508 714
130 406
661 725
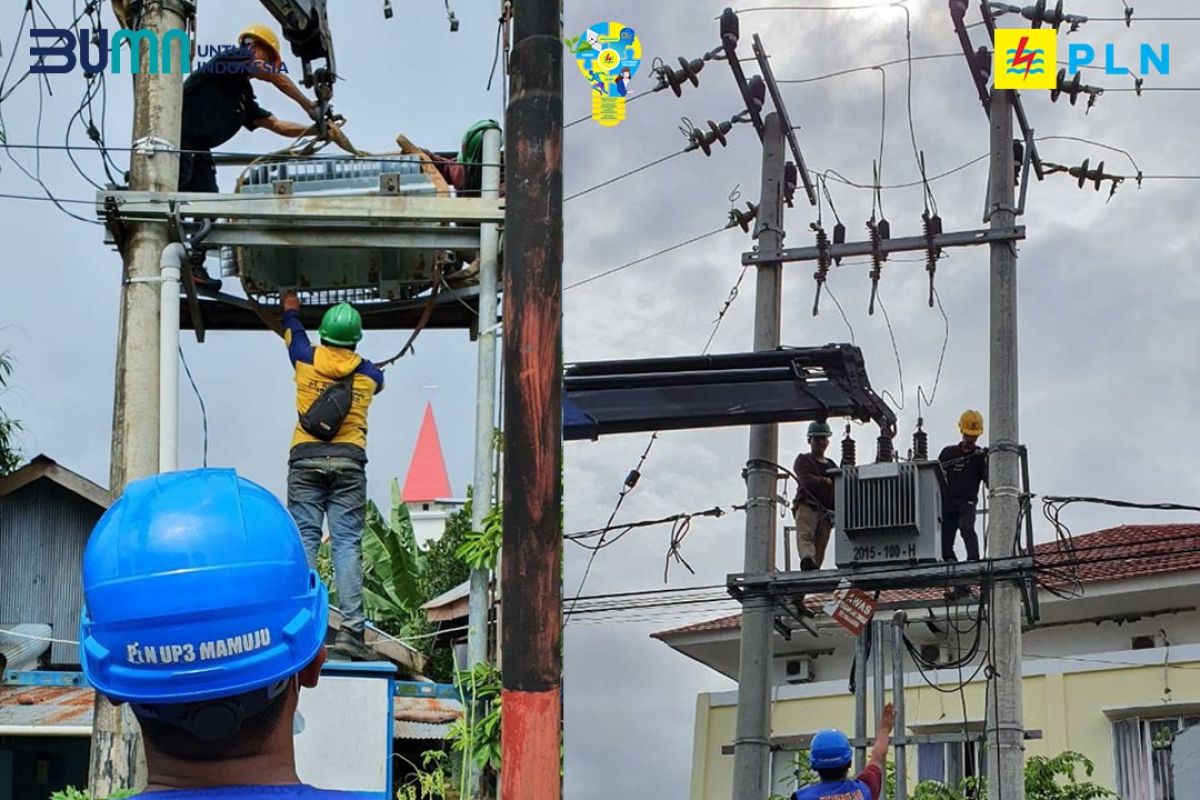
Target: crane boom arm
305 25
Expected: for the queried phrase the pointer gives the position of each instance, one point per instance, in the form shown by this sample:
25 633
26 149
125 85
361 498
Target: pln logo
1026 59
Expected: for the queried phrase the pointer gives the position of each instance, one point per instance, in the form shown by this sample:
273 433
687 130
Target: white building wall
428 525
1055 641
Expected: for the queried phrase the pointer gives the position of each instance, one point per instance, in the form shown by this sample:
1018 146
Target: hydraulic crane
305 24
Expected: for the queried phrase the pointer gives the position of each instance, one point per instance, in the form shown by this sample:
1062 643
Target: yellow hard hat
265 35
971 423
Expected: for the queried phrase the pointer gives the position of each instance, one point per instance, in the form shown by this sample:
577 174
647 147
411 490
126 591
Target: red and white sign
854 609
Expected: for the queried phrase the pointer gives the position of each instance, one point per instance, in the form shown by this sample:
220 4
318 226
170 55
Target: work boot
808 565
202 280
351 645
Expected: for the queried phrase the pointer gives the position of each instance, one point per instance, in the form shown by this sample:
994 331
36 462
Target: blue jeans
335 488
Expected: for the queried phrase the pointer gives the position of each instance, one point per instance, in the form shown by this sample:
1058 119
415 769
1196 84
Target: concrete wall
1071 700
1185 759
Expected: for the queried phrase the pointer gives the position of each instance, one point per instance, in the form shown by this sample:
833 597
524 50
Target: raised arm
879 750
294 335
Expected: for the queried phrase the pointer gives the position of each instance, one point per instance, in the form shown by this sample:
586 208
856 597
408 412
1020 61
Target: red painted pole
531 564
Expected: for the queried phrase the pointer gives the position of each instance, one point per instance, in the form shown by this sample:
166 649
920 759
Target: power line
21 29
200 400
941 360
624 175
1144 19
42 88
262 158
870 67
630 481
733 295
873 6
645 258
716 511
896 350
40 198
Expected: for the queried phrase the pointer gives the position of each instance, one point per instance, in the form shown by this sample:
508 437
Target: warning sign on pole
853 609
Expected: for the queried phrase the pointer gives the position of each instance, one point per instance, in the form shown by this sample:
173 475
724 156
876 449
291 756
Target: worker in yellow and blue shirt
328 479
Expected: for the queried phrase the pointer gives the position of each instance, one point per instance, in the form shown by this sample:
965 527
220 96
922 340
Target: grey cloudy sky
1108 291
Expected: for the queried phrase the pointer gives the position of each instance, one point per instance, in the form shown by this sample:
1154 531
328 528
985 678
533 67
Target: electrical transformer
888 513
340 271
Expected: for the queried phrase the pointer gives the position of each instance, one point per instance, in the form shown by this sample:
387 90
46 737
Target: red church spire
427 478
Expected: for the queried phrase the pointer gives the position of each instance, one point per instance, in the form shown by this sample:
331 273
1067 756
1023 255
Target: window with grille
951 762
1142 756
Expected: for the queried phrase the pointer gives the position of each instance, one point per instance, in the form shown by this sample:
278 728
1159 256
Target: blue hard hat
196 587
830 750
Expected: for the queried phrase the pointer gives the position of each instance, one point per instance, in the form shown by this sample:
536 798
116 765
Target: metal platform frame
383 221
942 575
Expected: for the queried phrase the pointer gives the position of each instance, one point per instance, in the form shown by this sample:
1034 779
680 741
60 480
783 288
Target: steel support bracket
906 244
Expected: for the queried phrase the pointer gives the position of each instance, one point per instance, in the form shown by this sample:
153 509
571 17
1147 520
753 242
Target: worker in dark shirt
812 507
965 467
830 755
218 101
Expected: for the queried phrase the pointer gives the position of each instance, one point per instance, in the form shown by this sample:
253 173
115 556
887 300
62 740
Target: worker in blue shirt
830 755
201 612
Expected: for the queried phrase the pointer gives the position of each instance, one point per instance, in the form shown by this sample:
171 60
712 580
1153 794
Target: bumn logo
1026 59
65 45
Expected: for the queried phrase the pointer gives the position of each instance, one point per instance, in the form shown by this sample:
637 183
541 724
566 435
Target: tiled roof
1113 554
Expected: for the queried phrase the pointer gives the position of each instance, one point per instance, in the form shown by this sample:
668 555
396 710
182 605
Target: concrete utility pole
1005 736
531 564
117 760
485 409
752 744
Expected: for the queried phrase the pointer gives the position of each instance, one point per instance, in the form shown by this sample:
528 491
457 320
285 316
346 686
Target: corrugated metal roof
42 466
46 706
1113 554
424 717
447 597
419 730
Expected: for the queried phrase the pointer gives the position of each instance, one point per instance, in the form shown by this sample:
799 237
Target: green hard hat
341 325
819 428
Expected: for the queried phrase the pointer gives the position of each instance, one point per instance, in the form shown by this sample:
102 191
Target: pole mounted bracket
149 145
